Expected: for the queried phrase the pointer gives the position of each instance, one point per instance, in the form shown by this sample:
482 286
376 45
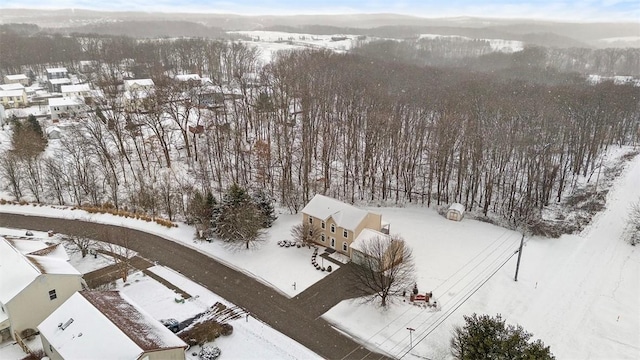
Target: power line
445 317
472 261
470 283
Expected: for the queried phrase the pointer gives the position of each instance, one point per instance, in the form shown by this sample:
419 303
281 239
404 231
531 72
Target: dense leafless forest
389 123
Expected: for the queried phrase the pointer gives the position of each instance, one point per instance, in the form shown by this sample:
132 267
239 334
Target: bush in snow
634 222
209 352
485 337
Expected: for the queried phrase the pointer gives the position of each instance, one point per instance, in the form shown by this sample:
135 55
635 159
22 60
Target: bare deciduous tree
83 243
117 247
383 267
306 233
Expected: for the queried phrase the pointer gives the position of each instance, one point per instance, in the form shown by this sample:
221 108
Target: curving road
293 317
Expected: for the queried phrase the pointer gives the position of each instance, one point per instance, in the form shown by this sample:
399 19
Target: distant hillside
148 29
538 32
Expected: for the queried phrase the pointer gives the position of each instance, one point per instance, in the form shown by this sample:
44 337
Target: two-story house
135 93
35 278
13 98
65 108
339 223
107 325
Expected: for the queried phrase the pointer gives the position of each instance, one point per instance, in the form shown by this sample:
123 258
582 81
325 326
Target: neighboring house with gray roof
107 325
35 278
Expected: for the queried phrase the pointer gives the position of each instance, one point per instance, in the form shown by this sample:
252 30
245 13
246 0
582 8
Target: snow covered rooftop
133 83
56 70
187 77
12 86
65 101
60 81
75 88
345 215
11 93
107 323
22 261
457 207
16 77
365 236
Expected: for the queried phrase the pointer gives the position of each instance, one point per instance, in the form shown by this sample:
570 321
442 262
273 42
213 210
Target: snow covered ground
500 45
578 293
270 42
251 339
275 266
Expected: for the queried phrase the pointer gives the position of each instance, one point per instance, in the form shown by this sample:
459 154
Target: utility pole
411 330
519 256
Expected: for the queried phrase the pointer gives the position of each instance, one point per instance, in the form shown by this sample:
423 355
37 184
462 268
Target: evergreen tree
265 204
485 337
237 219
28 139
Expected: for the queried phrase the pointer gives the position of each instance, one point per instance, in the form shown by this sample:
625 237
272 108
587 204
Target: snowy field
270 42
500 45
271 264
578 293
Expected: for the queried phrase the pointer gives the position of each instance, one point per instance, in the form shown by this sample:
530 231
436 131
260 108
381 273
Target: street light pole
411 330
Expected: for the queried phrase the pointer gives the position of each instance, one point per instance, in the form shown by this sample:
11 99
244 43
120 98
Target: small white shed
455 212
53 132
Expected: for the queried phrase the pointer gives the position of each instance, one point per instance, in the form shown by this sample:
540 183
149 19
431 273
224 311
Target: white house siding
32 305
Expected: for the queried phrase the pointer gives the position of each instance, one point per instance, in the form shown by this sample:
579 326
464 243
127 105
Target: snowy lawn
579 293
271 264
83 265
251 339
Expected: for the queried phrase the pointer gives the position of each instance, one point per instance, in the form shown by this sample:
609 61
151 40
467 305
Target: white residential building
79 90
107 325
35 278
66 108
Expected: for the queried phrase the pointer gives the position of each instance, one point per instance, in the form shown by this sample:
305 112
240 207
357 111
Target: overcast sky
578 10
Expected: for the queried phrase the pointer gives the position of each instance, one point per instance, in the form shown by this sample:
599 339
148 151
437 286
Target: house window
323 225
52 294
322 237
333 243
344 246
333 228
310 220
50 348
310 232
345 233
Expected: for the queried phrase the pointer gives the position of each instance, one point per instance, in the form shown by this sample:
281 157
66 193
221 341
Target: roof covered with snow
345 215
365 236
16 77
187 77
457 207
75 88
12 86
22 261
138 83
60 81
56 70
106 323
14 93
65 101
